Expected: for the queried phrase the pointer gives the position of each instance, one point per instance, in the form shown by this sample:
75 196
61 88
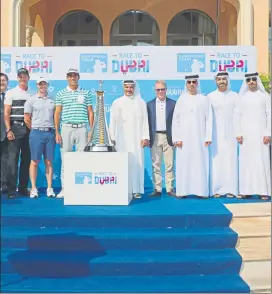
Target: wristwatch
7 130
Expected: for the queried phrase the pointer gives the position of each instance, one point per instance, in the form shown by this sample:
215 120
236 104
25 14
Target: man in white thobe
223 150
192 134
253 132
130 133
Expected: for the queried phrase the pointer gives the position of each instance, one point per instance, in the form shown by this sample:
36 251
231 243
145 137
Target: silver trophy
99 140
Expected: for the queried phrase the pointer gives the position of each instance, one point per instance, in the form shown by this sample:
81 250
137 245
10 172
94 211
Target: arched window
78 28
191 27
134 28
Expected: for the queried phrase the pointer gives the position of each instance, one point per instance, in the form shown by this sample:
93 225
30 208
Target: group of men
31 130
222 140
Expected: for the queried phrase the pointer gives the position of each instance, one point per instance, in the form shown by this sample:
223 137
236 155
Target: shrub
266 79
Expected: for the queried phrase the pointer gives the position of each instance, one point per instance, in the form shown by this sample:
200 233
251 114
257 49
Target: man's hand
144 143
178 144
267 140
240 140
10 135
89 136
207 143
58 138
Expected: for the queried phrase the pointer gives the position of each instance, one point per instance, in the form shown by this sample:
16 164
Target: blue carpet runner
152 246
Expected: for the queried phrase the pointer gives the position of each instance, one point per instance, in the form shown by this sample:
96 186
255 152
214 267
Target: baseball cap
22 71
42 79
72 70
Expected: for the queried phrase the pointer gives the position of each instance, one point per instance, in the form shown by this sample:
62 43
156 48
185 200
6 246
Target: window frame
78 37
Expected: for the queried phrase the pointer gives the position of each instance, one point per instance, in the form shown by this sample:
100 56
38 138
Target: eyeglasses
160 90
251 79
192 82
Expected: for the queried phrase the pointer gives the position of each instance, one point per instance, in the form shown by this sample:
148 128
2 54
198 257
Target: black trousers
4 162
16 147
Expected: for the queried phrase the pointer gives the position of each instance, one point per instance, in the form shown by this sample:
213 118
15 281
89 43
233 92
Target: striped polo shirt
16 97
74 105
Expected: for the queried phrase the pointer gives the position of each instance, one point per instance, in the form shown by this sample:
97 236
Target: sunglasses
160 90
251 79
71 75
192 82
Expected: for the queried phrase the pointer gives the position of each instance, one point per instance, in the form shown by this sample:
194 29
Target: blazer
3 127
151 111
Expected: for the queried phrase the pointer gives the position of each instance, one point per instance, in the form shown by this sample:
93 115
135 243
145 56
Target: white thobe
128 127
223 150
192 124
253 123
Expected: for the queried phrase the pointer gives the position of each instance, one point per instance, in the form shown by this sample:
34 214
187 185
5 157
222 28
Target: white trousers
161 149
72 137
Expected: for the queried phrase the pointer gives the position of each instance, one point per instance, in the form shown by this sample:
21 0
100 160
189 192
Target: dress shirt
160 115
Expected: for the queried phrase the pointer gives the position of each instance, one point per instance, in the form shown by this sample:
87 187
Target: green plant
266 79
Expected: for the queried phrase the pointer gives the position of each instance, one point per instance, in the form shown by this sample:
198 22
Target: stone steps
252 222
258 275
254 249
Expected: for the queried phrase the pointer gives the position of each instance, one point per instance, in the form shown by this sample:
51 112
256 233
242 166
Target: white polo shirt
16 97
160 115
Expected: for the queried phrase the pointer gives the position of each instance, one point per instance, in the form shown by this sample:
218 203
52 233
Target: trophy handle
89 137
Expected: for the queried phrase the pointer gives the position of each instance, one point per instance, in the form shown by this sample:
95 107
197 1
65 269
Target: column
6 23
245 23
261 34
29 33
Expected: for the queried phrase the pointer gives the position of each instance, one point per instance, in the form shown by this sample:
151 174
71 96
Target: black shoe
23 192
11 195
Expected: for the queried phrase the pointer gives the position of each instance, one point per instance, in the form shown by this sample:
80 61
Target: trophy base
99 149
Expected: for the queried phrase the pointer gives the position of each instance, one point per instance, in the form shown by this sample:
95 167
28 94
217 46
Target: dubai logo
229 62
131 63
35 63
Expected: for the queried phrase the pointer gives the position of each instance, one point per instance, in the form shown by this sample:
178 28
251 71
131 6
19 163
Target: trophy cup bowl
99 140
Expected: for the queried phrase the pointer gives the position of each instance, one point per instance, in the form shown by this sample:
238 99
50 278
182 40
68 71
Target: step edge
245 236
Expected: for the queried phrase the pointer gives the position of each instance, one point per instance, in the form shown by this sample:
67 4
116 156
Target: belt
43 129
18 122
161 132
74 125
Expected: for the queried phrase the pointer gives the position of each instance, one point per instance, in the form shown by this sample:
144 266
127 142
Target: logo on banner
93 63
83 178
229 62
101 178
6 63
131 63
35 63
191 62
105 178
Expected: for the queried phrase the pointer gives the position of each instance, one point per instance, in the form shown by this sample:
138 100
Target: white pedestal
96 178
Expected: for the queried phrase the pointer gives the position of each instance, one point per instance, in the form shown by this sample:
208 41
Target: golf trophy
99 140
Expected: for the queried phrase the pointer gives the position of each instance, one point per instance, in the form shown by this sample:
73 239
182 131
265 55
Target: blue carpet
151 246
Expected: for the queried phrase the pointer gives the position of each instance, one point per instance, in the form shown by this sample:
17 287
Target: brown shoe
171 193
155 193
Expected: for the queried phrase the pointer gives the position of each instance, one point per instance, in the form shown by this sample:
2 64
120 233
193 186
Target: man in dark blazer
160 112
3 137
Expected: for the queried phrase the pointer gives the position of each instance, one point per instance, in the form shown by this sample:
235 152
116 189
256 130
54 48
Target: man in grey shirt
39 117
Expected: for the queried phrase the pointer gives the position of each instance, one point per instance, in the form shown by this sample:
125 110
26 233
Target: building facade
137 22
